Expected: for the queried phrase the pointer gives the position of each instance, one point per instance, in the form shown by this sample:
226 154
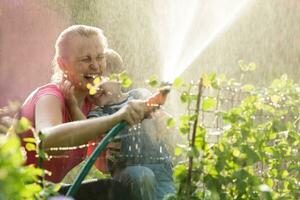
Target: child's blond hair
114 62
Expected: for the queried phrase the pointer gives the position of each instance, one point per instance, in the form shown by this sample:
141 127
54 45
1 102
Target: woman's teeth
90 76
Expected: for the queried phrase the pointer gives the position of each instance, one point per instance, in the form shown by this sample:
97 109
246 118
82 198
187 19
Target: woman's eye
85 59
99 58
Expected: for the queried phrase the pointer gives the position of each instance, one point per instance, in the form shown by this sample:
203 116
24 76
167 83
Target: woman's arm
48 120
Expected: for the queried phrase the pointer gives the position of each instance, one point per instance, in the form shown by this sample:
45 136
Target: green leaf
199 142
236 152
31 189
241 186
184 97
184 129
177 83
123 75
284 173
275 98
243 66
209 80
270 182
23 125
152 81
92 90
274 174
184 118
126 83
269 150
171 122
178 151
42 154
221 147
193 152
30 147
252 156
209 103
29 139
180 172
252 66
272 135
247 88
97 81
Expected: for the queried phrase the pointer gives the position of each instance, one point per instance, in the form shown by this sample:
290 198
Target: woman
79 58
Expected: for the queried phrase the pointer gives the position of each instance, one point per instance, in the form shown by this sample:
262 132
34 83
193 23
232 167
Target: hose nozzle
159 98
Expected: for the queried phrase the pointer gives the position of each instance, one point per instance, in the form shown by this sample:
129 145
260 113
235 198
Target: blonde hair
114 62
62 43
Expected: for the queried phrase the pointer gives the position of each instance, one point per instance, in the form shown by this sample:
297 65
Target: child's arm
68 91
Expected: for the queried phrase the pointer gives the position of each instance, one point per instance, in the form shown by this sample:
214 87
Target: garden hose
91 160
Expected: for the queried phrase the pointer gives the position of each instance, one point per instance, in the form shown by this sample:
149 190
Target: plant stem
192 142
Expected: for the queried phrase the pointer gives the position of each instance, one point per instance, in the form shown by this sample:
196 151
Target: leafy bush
257 156
17 181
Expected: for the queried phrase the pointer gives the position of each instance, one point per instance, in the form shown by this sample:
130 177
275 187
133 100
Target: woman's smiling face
85 60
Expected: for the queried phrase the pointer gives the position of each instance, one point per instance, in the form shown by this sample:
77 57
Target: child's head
110 92
114 63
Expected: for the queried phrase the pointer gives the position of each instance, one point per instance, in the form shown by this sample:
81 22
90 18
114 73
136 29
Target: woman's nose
94 65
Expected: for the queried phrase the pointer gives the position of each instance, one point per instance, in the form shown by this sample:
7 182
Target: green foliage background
256 157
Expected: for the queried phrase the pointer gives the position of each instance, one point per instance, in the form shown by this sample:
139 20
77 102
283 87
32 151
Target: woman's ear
61 63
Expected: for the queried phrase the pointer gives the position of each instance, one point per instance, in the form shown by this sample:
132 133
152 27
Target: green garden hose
91 160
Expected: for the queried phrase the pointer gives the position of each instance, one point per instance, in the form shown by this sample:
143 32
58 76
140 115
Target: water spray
193 31
153 103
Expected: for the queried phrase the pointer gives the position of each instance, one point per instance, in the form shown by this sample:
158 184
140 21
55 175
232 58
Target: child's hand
110 87
108 93
67 89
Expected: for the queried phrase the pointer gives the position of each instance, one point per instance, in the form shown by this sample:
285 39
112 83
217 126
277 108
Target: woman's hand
67 90
133 112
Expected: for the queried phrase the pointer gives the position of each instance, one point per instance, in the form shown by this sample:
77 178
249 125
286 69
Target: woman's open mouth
91 77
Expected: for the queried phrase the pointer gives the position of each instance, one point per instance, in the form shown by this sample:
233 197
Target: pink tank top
58 165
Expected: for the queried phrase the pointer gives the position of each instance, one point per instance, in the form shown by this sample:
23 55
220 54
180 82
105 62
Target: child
136 157
114 63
